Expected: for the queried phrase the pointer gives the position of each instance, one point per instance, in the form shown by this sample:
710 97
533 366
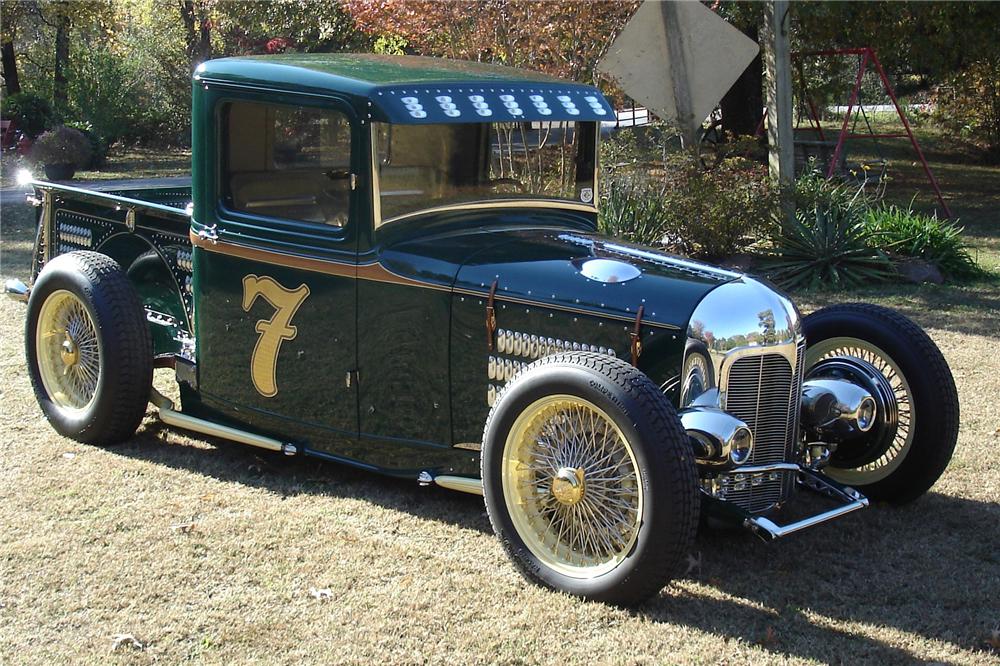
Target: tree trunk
10 78
60 96
198 33
743 105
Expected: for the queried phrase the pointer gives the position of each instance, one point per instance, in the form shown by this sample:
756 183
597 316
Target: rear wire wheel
88 347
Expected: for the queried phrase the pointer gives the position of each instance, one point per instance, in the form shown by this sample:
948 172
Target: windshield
425 166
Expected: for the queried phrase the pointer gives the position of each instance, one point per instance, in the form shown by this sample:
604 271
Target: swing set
866 56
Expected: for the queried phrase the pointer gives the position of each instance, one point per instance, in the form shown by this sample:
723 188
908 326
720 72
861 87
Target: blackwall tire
88 349
587 435
923 382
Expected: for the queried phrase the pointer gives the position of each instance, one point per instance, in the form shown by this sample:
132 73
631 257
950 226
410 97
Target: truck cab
316 178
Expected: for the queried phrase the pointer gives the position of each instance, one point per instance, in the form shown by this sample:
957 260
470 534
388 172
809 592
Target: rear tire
589 479
88 349
916 457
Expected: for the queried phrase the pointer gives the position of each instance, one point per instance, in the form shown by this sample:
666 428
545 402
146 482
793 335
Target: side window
288 162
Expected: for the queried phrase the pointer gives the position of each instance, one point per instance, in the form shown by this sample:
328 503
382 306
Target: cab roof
416 89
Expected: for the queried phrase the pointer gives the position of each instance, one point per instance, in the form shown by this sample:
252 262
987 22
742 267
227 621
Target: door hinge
491 316
208 233
636 338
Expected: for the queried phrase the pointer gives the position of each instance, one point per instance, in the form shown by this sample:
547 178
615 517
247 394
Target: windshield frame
483 204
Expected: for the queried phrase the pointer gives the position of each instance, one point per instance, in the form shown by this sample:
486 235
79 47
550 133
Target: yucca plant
828 245
913 235
632 209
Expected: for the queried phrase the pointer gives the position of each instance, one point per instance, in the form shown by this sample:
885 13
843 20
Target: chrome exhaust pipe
17 290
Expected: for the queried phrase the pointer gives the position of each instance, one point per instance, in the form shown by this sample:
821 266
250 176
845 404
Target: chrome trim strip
460 483
565 308
117 201
468 446
561 204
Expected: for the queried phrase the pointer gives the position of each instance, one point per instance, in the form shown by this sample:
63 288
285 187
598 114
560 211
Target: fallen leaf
694 564
321 594
770 637
994 640
125 641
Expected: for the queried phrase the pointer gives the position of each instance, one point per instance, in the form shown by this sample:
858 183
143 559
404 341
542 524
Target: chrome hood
739 318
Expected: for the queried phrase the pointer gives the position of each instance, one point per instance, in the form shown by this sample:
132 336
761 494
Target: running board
170 416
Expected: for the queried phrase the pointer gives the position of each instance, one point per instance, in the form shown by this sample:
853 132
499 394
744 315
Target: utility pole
778 76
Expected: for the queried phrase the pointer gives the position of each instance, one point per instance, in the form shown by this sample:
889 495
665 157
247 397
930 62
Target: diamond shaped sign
678 59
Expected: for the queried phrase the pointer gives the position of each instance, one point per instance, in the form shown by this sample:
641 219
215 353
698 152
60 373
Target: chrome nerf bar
853 500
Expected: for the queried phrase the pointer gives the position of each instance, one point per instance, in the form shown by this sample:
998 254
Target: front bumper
848 499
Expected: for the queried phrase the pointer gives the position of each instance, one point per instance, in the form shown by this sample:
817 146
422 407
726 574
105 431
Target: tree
197 29
564 37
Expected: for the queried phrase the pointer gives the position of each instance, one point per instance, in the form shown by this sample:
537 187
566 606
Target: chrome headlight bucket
719 439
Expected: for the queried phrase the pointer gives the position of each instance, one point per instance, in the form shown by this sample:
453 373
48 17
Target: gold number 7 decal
272 331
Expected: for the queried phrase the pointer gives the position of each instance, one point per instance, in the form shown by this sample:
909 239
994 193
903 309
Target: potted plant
61 152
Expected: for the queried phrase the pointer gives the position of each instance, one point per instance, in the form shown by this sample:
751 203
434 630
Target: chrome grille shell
750 335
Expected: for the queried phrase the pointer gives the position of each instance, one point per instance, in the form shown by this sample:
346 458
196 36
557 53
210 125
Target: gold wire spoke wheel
68 353
894 455
571 486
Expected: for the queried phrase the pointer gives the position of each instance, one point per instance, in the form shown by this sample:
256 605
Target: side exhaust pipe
172 417
17 290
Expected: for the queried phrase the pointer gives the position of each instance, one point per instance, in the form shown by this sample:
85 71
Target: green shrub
708 214
828 245
98 146
31 112
62 145
913 235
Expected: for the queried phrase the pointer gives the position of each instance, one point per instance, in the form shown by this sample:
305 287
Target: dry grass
174 548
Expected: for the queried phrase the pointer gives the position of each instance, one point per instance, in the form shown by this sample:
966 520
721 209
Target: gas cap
607 270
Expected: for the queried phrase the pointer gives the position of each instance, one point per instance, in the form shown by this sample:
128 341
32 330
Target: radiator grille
764 391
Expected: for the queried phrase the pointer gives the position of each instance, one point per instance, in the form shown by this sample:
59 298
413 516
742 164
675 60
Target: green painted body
388 367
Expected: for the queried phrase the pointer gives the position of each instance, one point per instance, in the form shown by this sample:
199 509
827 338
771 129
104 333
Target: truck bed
143 225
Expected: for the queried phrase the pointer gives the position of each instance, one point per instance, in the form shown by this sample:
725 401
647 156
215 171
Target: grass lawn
210 551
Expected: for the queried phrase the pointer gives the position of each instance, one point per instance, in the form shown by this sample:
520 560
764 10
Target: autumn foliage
564 38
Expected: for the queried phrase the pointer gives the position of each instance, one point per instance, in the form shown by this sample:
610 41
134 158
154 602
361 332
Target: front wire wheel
572 486
589 478
911 445
893 451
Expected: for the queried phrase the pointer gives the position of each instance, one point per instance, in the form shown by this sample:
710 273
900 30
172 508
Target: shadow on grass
921 569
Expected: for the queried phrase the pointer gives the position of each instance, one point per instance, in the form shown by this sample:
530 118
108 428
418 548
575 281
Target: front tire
88 348
589 479
900 463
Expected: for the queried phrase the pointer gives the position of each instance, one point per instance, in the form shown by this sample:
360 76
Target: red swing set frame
866 56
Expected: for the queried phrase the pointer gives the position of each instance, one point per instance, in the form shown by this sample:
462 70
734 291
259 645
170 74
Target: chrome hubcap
896 402
69 360
568 485
571 486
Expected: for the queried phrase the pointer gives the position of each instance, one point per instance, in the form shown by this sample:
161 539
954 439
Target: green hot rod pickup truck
392 262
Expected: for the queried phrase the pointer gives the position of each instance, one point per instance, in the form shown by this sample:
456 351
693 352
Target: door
276 295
